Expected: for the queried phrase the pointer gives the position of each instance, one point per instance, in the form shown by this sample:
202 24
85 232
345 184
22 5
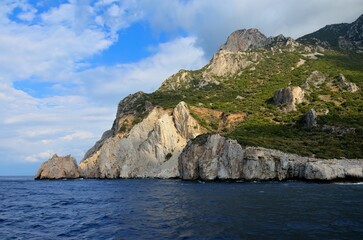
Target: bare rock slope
150 149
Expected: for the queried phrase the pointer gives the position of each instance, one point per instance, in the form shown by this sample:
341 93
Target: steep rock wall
151 148
211 157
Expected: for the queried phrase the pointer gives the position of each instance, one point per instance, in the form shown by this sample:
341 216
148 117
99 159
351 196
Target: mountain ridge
343 36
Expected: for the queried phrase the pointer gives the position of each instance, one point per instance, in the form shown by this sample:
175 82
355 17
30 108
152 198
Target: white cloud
77 135
106 83
60 40
29 125
39 132
212 21
38 157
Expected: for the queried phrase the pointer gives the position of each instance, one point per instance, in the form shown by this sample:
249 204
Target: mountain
247 39
344 36
301 100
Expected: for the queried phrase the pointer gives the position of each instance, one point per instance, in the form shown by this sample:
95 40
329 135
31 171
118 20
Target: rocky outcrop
150 149
244 39
127 110
58 167
310 119
247 39
211 157
315 80
287 98
186 125
266 164
225 63
346 85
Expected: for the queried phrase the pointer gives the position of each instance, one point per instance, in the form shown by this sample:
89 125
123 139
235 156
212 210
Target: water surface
175 209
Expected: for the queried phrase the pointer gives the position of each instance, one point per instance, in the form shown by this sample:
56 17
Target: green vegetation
266 125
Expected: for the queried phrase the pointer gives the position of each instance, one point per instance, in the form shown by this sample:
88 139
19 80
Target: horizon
66 65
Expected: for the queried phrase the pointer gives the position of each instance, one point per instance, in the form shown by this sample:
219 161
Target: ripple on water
174 209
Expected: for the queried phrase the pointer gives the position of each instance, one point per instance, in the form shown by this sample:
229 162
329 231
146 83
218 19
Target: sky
65 64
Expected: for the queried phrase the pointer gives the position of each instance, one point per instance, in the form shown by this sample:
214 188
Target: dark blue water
174 209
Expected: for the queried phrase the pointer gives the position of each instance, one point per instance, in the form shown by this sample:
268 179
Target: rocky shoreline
153 139
211 157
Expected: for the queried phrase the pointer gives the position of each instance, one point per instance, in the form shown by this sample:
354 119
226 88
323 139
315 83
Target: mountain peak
244 39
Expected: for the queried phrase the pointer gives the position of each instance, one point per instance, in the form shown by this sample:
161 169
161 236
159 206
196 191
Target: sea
176 209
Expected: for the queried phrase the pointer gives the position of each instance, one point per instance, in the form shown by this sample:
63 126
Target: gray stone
346 85
287 98
242 40
315 79
310 119
151 148
212 157
58 167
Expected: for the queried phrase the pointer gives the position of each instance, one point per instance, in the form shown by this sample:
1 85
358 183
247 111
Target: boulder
58 167
310 119
287 98
346 85
315 79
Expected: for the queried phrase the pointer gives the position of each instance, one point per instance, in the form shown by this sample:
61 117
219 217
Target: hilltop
242 80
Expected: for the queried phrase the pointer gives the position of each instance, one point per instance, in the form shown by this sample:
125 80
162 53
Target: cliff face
150 149
211 157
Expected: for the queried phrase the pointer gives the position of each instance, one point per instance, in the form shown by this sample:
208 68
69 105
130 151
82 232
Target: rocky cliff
249 39
58 167
271 92
150 149
211 157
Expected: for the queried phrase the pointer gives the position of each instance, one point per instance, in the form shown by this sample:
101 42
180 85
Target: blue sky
65 64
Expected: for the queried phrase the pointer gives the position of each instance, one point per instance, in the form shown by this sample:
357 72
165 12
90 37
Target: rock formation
316 79
310 119
211 157
288 98
150 149
242 40
226 63
247 39
58 167
147 140
346 85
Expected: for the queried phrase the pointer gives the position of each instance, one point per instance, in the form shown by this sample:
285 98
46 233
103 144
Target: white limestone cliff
151 149
211 157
